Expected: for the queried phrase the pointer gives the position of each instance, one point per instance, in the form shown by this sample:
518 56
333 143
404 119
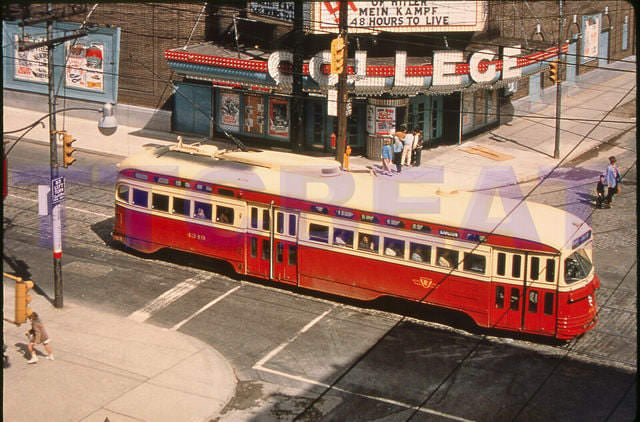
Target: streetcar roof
320 181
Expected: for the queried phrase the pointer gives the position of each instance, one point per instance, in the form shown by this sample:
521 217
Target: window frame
466 263
133 197
153 202
318 240
454 265
199 204
186 213
220 211
123 185
340 230
427 250
375 241
396 241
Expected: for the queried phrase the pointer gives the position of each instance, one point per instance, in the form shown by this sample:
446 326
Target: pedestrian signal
22 301
68 149
553 71
337 55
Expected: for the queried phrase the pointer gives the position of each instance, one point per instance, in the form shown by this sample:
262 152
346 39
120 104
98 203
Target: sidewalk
109 367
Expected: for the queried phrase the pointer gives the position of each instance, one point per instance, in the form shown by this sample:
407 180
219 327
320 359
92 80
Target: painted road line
66 207
168 297
367 396
277 350
204 308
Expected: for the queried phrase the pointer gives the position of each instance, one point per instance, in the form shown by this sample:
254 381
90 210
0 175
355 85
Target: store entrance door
425 113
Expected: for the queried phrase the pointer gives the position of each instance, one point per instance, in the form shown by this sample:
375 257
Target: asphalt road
307 356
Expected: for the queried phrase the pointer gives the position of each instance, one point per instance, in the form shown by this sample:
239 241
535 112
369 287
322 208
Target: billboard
401 16
85 68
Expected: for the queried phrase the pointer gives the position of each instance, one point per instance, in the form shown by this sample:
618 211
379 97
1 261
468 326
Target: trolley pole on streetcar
342 88
556 151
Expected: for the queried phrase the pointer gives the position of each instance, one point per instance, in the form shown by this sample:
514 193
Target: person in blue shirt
613 178
387 155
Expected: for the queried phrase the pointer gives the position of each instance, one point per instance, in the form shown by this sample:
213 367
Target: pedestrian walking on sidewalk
613 180
407 147
602 183
387 155
38 335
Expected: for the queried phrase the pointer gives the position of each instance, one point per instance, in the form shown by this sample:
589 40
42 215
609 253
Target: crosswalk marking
204 308
168 297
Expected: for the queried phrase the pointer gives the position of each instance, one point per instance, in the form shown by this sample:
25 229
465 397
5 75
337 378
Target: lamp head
107 123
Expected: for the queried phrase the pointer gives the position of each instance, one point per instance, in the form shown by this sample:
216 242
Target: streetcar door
285 253
258 242
507 289
540 307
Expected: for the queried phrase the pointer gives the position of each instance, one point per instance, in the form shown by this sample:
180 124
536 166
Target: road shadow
103 229
21 269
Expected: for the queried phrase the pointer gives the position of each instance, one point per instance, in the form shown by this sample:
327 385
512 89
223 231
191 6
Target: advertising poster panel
279 117
385 120
85 65
230 111
254 114
31 65
591 38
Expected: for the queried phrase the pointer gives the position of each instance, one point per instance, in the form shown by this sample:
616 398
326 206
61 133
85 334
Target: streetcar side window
516 265
292 225
368 242
293 255
515 299
535 268
266 218
393 247
224 215
533 301
499 297
419 252
474 262
548 303
279 252
551 270
266 249
123 193
254 217
181 206
280 222
447 258
319 233
254 247
140 198
342 237
202 210
502 263
160 202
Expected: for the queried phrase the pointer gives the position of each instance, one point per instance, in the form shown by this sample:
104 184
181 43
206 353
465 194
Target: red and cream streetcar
302 221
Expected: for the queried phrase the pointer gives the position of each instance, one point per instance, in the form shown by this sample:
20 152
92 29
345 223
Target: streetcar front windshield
577 266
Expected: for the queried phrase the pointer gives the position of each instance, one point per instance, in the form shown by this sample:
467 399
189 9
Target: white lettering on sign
490 75
402 16
444 67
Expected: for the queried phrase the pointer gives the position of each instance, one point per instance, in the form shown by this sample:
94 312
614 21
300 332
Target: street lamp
107 123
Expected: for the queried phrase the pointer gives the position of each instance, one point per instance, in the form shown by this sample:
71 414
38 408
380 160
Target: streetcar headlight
590 299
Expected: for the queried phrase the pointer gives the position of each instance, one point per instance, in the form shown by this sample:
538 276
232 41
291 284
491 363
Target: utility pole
342 89
297 100
56 206
556 151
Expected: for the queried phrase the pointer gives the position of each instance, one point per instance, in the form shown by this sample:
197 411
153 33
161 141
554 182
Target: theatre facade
448 77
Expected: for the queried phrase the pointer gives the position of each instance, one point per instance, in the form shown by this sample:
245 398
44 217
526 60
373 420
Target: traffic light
553 71
67 140
337 56
23 298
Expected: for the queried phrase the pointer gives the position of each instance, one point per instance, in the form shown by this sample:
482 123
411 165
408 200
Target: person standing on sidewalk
38 335
398 146
407 147
417 147
613 178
